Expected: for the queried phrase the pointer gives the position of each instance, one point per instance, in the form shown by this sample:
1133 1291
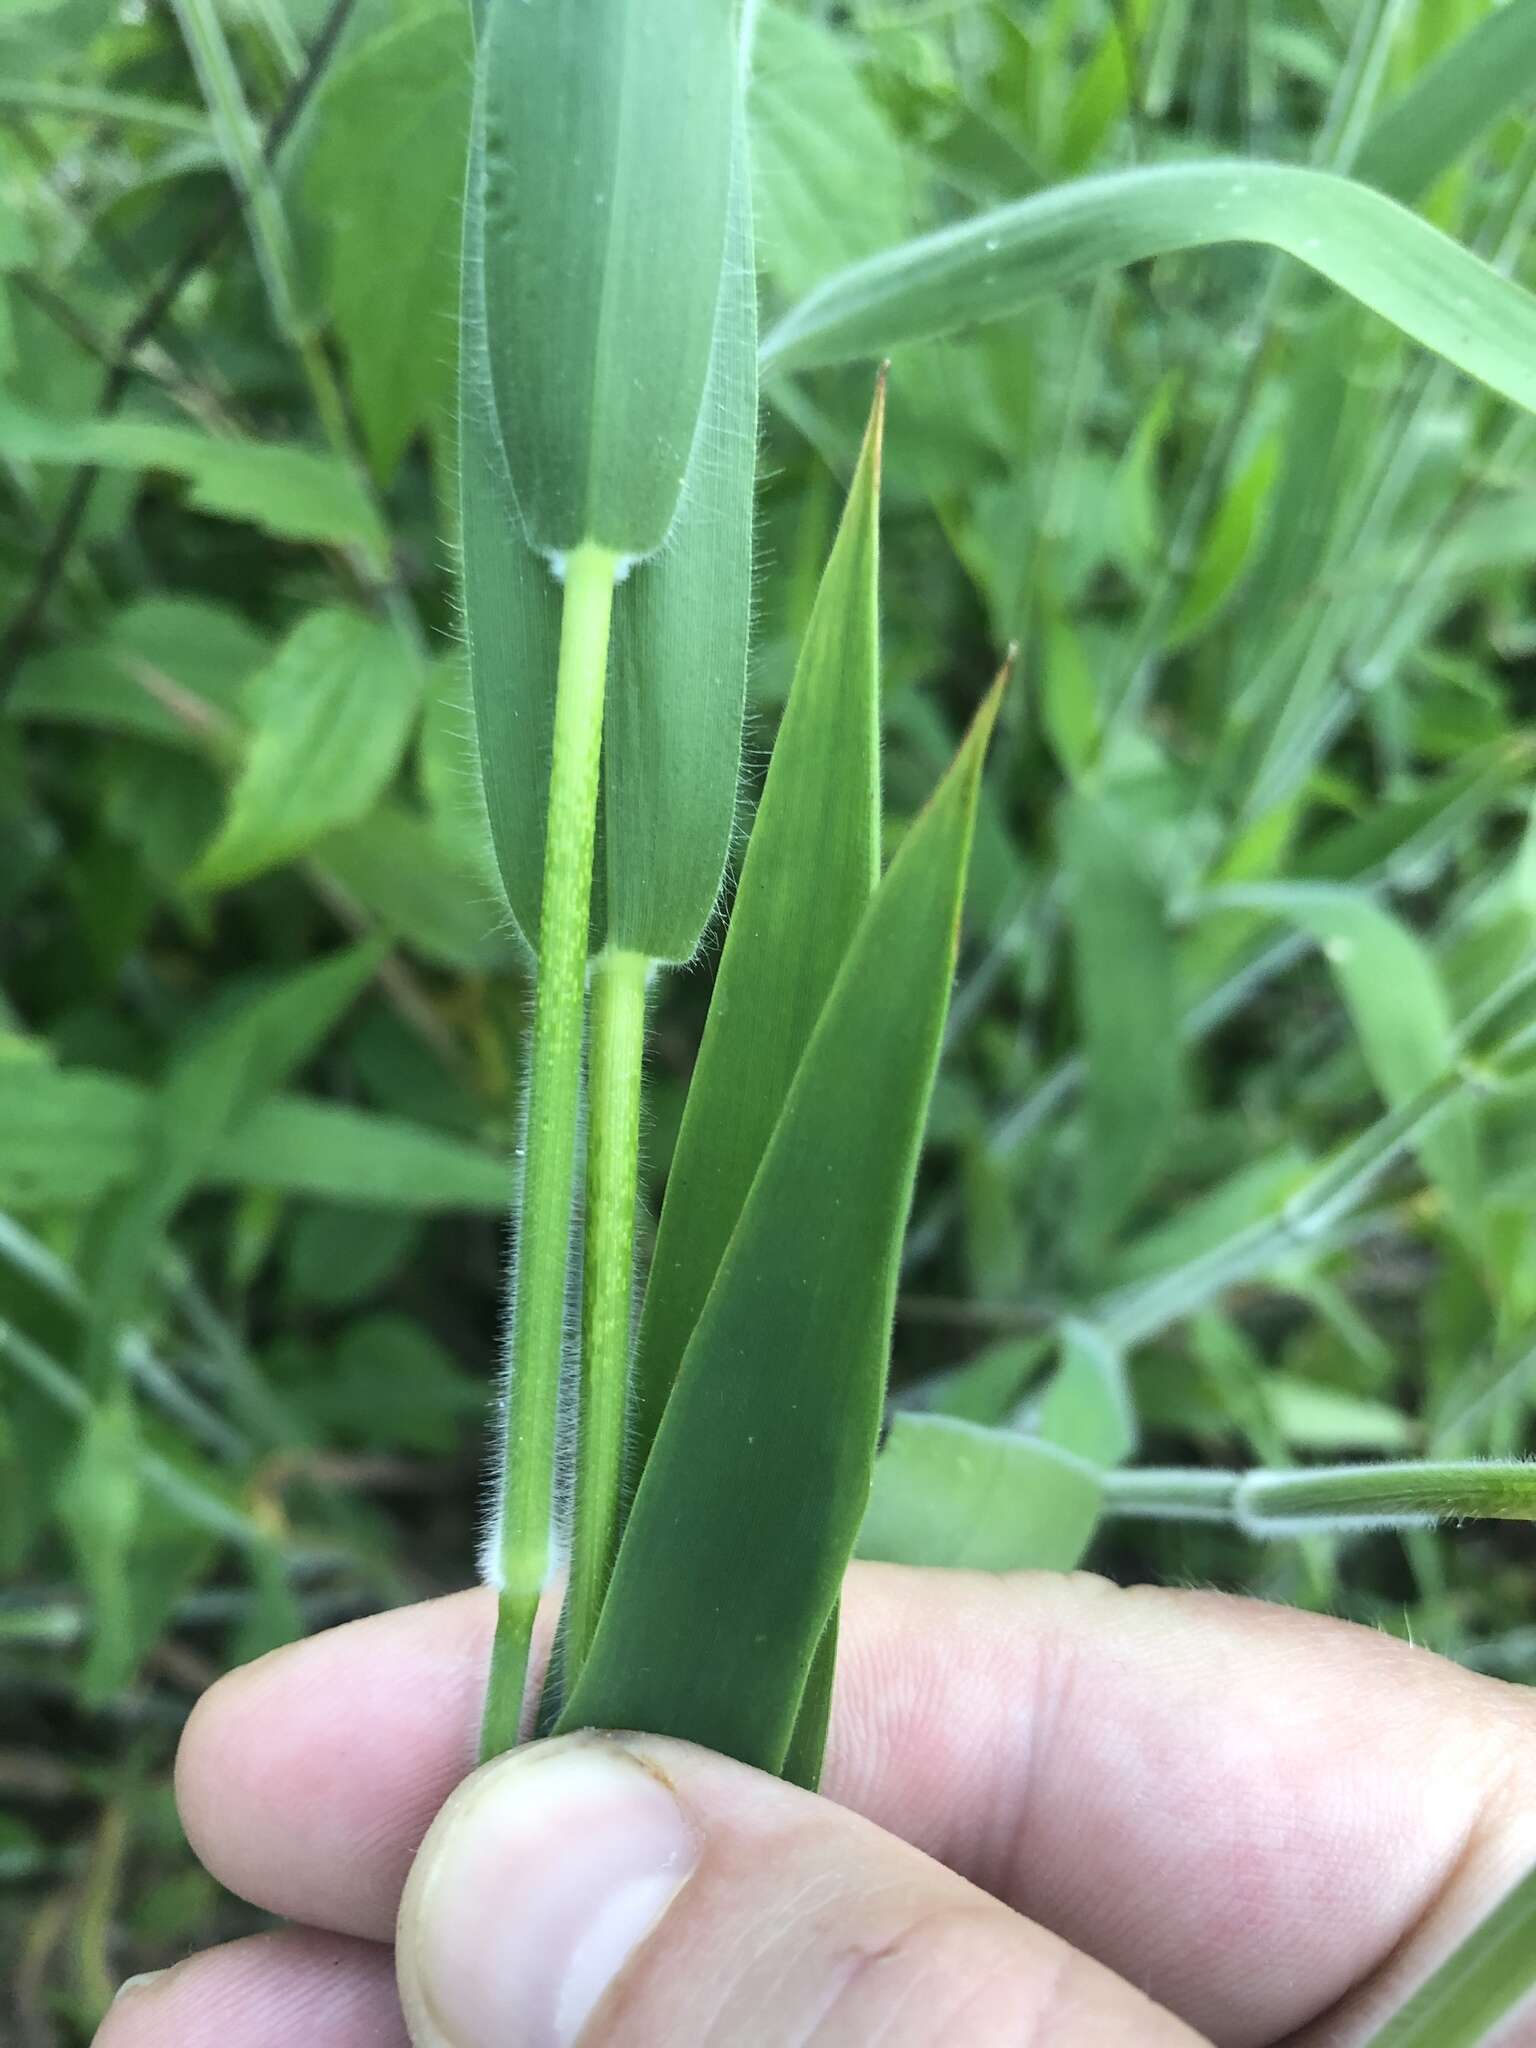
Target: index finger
1242 1809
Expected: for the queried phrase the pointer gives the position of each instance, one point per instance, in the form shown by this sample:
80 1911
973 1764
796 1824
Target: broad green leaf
167 669
1485 74
292 493
1490 1973
677 648
811 864
951 1493
74 1134
330 716
1312 1417
386 171
293 1145
69 1135
422 887
1397 1004
1128 1012
605 170
1437 292
1087 1408
750 1503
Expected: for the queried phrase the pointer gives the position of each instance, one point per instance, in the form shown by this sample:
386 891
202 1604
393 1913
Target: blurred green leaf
1486 73
1398 1006
330 717
832 182
1087 1407
950 1493
289 492
386 172
1128 1004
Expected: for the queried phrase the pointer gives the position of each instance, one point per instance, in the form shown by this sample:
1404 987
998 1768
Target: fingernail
140 1983
537 1884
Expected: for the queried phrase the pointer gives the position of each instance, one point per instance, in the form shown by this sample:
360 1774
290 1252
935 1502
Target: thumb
610 1890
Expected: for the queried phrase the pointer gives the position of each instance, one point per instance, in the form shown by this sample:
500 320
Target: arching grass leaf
750 1503
1370 247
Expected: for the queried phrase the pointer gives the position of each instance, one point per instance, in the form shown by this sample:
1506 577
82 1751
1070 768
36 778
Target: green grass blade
810 867
606 166
1488 1976
214 1084
750 1503
1129 1011
1484 75
1370 247
808 1743
1397 1001
676 692
951 1493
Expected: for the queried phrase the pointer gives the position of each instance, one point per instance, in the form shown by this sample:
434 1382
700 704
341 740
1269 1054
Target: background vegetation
1257 846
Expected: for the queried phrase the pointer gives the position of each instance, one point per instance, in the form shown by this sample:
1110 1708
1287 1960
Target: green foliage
1230 1162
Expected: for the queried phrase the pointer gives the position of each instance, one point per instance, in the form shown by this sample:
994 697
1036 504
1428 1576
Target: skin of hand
1056 1814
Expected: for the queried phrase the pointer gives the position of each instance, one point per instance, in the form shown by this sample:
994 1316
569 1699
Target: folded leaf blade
810 868
750 1503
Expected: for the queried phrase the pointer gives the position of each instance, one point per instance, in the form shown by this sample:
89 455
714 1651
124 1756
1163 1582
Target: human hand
1048 1804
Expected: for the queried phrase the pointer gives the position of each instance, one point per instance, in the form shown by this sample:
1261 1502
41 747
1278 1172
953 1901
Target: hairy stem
613 1150
537 1332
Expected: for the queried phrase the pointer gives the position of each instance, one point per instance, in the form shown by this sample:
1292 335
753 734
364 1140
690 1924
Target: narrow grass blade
215 1083
952 1493
807 1745
1370 247
810 867
750 1503
1484 75
1398 1005
1482 1983
606 164
1129 1014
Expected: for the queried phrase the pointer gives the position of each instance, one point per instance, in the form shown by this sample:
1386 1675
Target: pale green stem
1150 1494
1329 1499
536 1340
613 1152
